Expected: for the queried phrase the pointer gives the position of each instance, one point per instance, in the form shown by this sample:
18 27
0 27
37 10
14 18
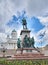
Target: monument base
28 55
25 32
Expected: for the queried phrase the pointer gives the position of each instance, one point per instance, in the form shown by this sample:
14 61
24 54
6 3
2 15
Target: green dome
14 30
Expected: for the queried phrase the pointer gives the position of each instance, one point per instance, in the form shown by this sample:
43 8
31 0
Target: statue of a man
24 23
32 42
26 41
18 43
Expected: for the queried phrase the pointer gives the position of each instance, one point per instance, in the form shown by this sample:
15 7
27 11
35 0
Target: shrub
24 62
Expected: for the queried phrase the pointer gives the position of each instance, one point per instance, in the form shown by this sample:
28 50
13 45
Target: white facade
11 43
45 50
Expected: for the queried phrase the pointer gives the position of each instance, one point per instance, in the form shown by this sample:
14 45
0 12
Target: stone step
29 56
33 55
32 58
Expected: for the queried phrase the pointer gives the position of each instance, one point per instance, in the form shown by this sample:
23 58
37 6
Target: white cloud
37 7
2 37
10 7
44 20
44 39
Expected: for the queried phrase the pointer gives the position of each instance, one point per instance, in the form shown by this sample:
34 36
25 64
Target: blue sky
35 13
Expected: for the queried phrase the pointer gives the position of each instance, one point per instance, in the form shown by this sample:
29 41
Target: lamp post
3 50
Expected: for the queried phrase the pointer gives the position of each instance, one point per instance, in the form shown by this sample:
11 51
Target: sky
35 13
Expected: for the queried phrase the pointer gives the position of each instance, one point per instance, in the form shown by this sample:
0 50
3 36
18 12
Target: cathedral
11 43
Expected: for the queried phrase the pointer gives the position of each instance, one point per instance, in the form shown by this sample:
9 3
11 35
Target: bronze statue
24 23
28 42
18 43
32 42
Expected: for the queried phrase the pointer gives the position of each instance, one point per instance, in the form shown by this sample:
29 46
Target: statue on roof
24 23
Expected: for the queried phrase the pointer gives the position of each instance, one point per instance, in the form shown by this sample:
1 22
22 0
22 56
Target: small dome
14 30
